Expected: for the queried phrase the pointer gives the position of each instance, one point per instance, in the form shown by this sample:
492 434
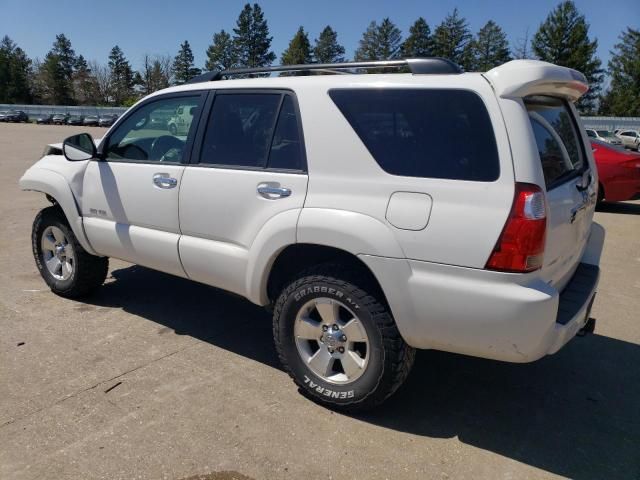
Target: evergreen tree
15 72
221 54
419 42
522 48
56 73
183 69
299 49
452 39
490 48
252 41
380 42
623 97
121 77
563 39
327 49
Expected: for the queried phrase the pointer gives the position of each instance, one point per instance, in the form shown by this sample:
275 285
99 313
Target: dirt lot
156 377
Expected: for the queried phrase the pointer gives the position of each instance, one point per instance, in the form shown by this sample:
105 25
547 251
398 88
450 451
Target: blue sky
158 27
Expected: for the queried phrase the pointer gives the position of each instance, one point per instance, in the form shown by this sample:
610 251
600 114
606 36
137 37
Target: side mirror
79 147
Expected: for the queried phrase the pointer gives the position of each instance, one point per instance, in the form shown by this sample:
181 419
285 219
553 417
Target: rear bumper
510 317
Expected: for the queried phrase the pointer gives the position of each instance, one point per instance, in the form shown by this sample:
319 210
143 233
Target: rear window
557 138
433 133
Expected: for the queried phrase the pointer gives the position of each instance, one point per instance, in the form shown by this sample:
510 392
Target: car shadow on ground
626 208
576 413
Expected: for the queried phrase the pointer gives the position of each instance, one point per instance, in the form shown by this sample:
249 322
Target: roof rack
417 66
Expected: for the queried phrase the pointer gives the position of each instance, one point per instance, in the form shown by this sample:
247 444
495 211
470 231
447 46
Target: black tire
390 358
89 271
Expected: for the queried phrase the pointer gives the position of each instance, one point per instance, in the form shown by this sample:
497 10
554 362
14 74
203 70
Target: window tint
423 133
556 137
591 133
156 131
286 146
240 129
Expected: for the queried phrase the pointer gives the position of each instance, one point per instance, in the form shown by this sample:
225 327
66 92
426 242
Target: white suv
376 213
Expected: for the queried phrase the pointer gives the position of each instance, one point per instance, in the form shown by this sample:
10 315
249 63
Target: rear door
570 184
248 171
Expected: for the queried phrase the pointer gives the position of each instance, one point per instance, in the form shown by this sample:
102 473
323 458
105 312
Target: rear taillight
520 247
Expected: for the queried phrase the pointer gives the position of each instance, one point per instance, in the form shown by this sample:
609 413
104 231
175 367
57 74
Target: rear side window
432 133
240 129
557 139
253 130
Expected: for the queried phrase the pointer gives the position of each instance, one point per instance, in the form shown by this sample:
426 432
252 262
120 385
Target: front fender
55 185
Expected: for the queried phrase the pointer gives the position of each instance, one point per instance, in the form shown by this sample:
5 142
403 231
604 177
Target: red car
619 172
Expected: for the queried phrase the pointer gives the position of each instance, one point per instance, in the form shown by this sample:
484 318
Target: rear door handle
163 180
271 192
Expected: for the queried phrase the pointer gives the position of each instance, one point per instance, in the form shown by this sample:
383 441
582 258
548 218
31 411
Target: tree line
66 78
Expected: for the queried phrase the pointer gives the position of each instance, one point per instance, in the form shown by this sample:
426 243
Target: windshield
605 133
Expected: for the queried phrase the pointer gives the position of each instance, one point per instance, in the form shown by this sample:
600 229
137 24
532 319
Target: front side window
435 133
556 137
155 132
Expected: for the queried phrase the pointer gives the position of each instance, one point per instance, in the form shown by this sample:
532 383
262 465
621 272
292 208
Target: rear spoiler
520 78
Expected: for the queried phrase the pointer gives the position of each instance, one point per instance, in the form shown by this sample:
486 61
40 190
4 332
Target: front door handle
163 180
271 192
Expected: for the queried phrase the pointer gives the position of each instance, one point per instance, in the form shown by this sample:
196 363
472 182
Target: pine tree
452 40
490 47
252 41
419 42
183 69
221 54
156 73
56 73
623 97
298 51
327 49
121 77
15 73
563 39
380 42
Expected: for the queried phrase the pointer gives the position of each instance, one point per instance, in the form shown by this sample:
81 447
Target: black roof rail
417 66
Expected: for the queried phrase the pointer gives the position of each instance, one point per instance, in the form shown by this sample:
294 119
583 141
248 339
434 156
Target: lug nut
331 350
341 349
335 327
325 328
343 338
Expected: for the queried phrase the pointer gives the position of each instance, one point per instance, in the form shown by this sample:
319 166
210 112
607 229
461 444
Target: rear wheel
339 342
67 268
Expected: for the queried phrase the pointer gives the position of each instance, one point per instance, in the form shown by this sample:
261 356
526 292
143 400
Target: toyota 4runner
375 213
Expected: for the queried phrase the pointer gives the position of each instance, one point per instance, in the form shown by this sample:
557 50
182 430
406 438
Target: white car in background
604 136
377 214
630 139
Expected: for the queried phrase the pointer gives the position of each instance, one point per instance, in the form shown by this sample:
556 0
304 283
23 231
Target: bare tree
156 72
102 76
522 47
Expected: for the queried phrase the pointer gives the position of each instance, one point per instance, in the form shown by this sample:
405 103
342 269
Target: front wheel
339 342
67 268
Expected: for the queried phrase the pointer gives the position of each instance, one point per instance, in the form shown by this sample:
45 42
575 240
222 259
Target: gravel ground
157 377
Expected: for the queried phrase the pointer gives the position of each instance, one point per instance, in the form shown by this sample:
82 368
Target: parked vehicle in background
604 136
630 139
618 172
75 120
91 121
16 116
179 123
45 119
3 114
60 118
107 120
327 198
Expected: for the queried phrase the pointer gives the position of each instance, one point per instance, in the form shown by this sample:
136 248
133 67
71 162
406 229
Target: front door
130 195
